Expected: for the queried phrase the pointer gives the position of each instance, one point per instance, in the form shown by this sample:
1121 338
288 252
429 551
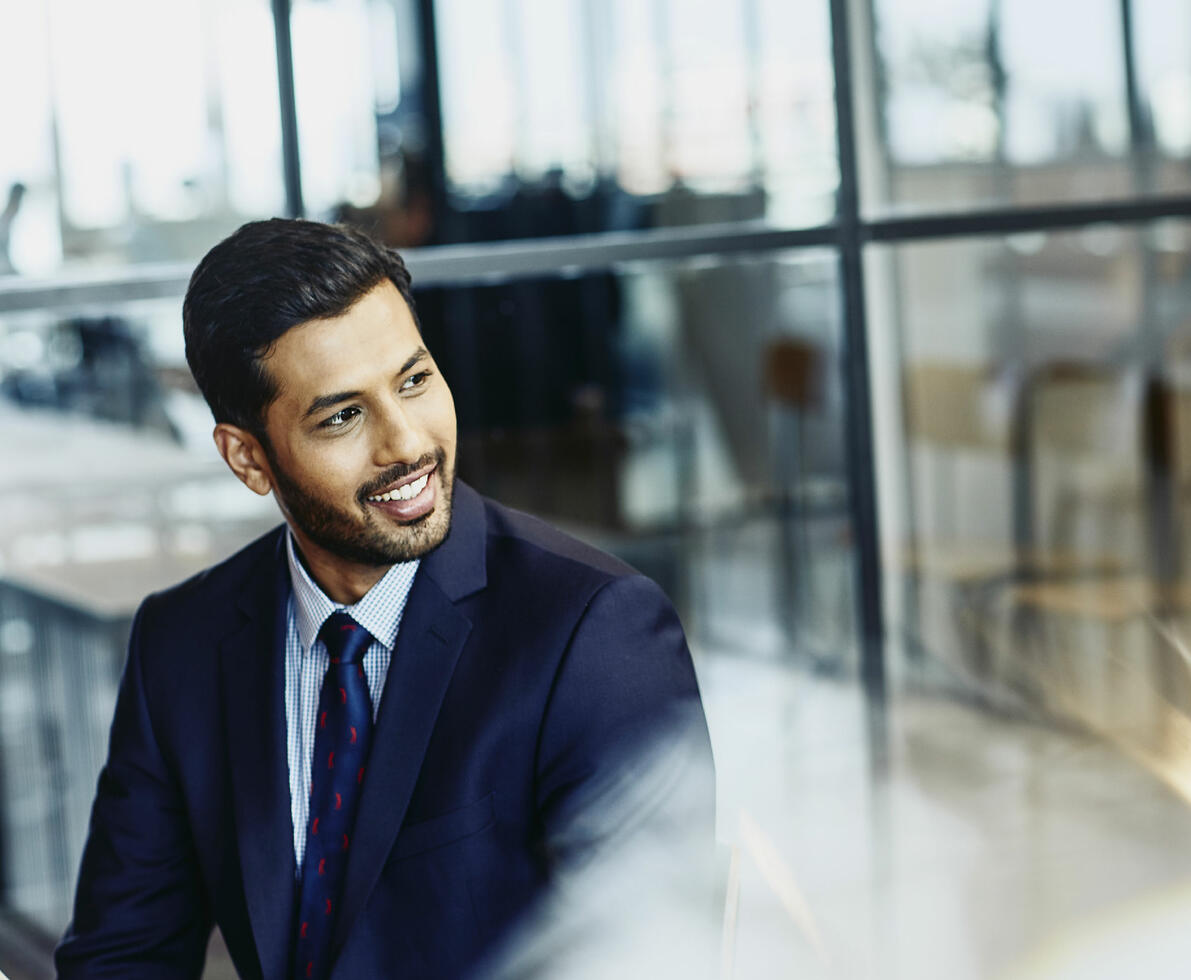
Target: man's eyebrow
327 401
416 356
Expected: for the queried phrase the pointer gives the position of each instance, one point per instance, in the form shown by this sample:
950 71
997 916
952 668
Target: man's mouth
404 491
411 497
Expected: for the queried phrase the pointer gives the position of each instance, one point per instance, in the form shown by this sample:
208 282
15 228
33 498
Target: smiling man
358 443
373 742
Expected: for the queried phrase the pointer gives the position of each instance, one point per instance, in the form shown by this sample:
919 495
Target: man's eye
415 380
340 418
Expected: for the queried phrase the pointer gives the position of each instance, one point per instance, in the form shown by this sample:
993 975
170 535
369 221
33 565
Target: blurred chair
1028 479
1078 635
957 419
1081 444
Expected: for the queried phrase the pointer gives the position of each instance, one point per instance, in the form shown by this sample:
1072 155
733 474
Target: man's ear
245 456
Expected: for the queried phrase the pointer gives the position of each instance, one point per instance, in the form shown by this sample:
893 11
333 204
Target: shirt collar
378 611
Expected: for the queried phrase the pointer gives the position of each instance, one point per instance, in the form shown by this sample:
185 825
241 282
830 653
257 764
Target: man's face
361 436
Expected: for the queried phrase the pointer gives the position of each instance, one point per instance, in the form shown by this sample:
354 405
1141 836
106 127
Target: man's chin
419 535
370 539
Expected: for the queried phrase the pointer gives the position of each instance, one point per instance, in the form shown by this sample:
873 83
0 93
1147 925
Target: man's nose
396 438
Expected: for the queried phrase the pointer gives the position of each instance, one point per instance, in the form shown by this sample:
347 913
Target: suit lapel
433 632
253 681
432 635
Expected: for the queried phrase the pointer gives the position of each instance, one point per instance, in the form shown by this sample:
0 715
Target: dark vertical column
859 426
1158 402
1010 342
289 109
431 91
1141 133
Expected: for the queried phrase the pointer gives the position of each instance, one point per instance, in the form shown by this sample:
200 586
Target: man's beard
361 538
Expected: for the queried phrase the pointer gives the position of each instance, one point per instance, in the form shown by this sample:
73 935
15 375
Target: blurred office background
863 326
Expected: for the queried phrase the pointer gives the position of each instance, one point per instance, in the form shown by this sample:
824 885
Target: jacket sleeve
139 910
624 758
626 798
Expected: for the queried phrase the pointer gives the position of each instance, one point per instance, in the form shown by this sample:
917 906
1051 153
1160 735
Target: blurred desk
93 517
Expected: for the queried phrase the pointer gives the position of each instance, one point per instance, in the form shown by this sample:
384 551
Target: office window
680 399
1035 465
637 115
345 72
156 148
709 457
976 108
27 160
1163 53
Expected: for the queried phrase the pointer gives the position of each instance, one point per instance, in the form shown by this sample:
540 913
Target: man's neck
344 582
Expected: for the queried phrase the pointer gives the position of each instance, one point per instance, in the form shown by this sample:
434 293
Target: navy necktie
341 744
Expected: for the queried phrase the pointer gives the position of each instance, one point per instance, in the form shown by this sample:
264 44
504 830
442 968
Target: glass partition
1163 57
1035 535
86 182
600 116
683 415
111 489
679 399
975 108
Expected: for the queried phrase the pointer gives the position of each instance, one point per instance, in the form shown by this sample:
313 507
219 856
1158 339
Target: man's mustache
399 470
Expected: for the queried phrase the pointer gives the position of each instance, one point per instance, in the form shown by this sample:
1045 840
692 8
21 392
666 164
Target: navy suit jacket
528 666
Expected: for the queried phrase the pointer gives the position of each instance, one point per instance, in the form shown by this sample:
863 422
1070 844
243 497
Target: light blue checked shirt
306 661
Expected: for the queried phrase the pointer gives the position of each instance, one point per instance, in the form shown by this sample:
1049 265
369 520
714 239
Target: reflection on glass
1163 52
1039 517
133 151
336 89
684 416
626 114
1007 101
30 238
110 489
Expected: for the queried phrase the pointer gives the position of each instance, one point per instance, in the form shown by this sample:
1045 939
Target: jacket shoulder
513 534
220 585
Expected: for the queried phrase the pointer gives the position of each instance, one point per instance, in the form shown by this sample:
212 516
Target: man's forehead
375 337
379 320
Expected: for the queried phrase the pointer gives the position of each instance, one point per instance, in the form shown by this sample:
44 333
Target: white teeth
407 492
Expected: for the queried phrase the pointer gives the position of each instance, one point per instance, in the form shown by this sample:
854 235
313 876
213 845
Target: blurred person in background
384 738
16 194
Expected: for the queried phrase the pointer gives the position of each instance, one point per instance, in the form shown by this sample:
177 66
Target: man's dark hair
264 279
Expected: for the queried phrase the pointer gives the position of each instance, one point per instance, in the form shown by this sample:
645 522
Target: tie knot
346 639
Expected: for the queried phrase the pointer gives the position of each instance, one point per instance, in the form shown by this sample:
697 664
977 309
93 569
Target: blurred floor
991 847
